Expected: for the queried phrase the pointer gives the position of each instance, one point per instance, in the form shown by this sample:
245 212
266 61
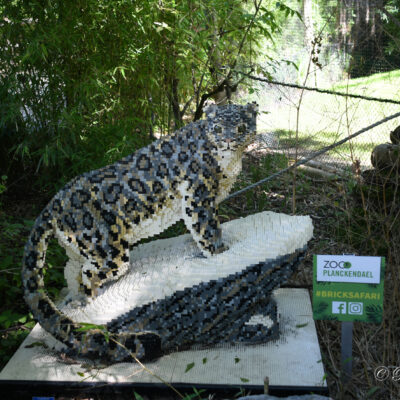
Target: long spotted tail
92 343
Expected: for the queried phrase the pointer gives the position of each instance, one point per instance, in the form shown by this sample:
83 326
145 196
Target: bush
85 83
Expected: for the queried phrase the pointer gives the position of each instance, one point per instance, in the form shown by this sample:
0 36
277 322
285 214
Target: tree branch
225 81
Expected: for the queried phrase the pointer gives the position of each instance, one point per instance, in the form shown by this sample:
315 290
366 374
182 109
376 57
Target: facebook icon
339 307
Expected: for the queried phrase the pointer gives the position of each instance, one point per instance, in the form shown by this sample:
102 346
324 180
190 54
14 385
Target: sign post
346 359
348 288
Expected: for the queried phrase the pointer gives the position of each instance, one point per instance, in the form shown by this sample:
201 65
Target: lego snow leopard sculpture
100 214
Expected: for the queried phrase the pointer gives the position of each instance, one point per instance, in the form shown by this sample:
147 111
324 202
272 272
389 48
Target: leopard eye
242 128
217 129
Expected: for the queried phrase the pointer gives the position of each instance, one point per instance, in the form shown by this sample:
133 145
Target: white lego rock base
160 268
292 360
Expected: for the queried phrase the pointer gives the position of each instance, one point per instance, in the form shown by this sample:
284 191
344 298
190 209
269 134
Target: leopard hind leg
106 263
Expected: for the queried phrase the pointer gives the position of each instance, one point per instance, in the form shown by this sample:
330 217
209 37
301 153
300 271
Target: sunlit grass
325 118
383 85
360 149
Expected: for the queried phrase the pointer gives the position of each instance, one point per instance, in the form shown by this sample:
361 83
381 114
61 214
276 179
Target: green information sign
348 288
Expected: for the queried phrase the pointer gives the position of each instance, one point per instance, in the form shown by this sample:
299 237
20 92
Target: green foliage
13 315
10 341
372 221
85 83
197 394
374 313
15 320
391 29
320 309
54 273
189 367
137 396
14 235
3 187
257 200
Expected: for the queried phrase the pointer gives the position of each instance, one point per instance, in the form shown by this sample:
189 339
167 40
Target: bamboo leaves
82 76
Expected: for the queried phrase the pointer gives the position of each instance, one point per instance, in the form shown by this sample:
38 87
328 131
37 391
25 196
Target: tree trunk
343 23
308 23
366 36
174 99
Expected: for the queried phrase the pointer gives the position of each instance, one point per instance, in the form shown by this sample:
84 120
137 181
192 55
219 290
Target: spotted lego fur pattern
99 215
214 312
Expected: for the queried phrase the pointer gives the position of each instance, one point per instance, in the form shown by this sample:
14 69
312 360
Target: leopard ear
252 107
211 111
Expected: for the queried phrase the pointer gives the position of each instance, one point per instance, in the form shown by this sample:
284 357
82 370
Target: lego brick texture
190 300
292 360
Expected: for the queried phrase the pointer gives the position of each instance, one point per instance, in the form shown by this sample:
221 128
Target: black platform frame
27 389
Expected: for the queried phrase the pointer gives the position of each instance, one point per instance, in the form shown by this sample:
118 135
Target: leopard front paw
220 249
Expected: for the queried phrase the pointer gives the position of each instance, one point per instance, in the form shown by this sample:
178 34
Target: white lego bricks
292 360
160 268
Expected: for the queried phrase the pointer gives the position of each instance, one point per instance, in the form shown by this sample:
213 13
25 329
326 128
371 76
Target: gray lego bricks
101 214
255 335
186 299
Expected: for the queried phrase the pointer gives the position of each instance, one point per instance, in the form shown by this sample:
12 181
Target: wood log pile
385 159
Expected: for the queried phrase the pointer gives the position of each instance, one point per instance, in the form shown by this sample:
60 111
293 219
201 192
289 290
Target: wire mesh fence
345 54
299 122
